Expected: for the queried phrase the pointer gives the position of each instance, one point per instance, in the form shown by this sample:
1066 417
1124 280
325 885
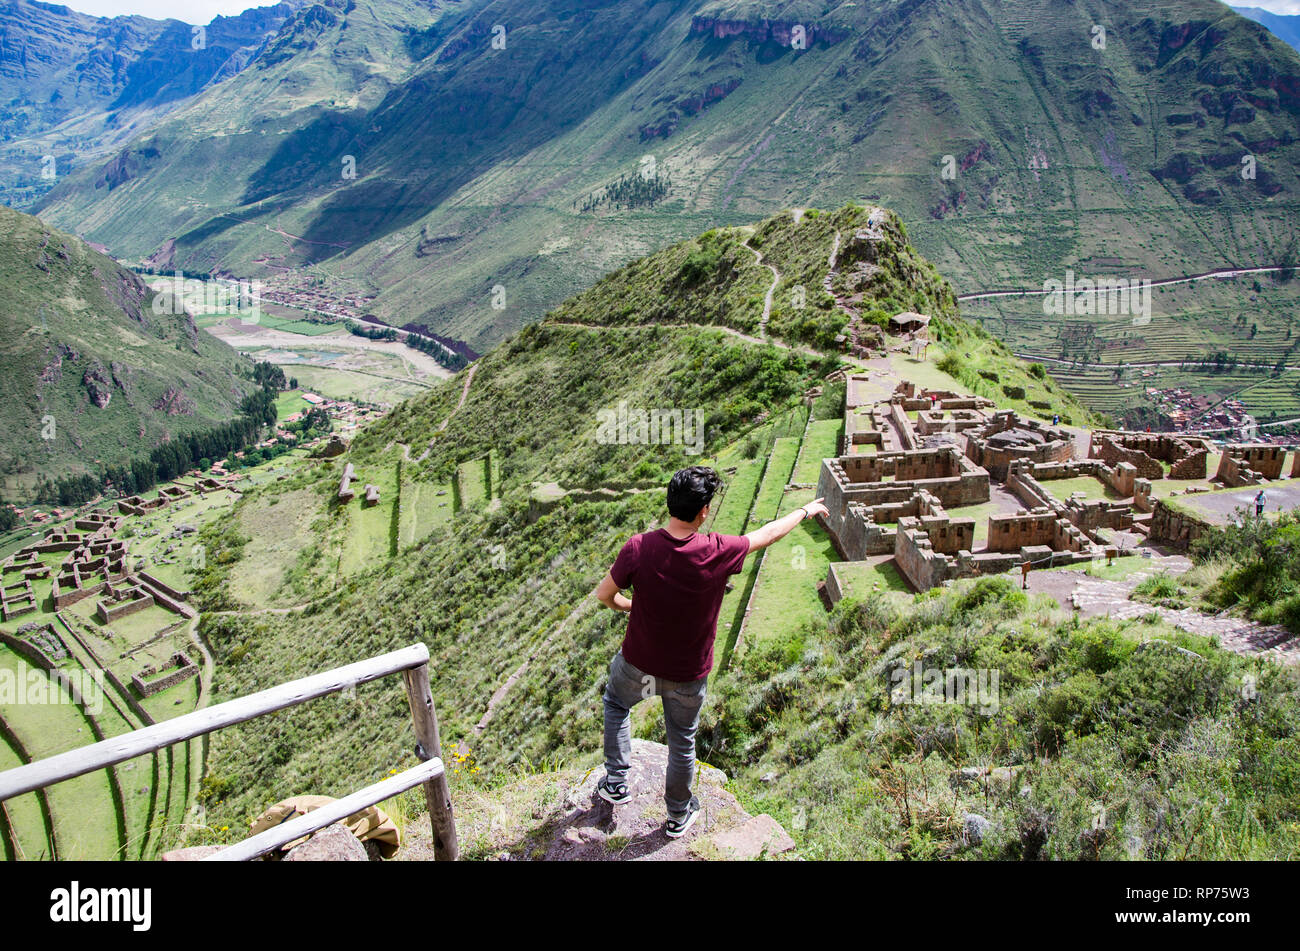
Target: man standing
1260 500
678 577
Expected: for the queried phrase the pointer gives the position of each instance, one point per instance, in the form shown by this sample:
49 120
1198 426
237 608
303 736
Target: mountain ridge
94 372
1089 152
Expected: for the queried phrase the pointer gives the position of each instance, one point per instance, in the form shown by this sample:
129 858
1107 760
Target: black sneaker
677 825
615 792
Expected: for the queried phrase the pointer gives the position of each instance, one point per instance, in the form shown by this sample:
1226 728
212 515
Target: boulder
754 838
331 844
192 854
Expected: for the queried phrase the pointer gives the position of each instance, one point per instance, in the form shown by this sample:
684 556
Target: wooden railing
411 662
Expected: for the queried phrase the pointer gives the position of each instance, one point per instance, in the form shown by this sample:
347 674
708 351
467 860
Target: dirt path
1163 282
748 338
442 427
288 610
1220 507
205 676
767 300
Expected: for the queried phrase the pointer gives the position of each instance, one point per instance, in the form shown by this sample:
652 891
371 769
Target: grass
859 579
425 506
86 824
472 490
367 537
980 513
732 510
786 594
1093 489
822 442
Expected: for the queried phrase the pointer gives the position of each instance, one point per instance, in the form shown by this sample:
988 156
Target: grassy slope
804 699
1122 160
69 311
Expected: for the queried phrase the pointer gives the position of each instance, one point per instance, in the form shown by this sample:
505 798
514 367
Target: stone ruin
147 682
17 599
96 564
892 477
1250 464
1185 455
120 602
1006 438
139 505
896 501
346 492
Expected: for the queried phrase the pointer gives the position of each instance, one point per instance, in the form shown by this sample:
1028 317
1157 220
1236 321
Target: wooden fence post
437 793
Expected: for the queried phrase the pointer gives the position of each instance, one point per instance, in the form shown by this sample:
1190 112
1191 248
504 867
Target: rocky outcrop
780 32
174 403
336 446
559 817
98 385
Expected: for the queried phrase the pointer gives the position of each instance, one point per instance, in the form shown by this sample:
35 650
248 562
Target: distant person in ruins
678 577
1260 501
1056 419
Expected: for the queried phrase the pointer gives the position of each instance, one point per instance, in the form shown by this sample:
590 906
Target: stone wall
164 588
1042 527
185 668
894 476
119 605
1175 526
916 558
929 422
902 425
1007 438
1250 464
1186 455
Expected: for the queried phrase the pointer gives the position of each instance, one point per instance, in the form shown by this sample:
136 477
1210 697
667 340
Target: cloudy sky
191 11
202 11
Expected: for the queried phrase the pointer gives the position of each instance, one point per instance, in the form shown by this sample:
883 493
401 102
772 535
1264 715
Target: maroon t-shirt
677 591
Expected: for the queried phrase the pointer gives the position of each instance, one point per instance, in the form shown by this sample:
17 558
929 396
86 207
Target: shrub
1037 371
950 364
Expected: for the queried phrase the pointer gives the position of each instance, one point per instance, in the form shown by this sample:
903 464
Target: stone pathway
1095 597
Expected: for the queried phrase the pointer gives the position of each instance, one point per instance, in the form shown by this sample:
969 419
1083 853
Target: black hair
690 490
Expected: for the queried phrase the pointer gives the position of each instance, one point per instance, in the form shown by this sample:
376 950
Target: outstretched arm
776 530
607 593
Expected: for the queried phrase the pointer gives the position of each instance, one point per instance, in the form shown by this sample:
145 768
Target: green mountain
78 86
92 371
501 507
472 165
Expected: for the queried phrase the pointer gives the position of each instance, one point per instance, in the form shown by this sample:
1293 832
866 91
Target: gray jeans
627 687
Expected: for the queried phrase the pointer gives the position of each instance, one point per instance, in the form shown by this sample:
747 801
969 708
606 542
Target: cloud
1288 7
190 11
